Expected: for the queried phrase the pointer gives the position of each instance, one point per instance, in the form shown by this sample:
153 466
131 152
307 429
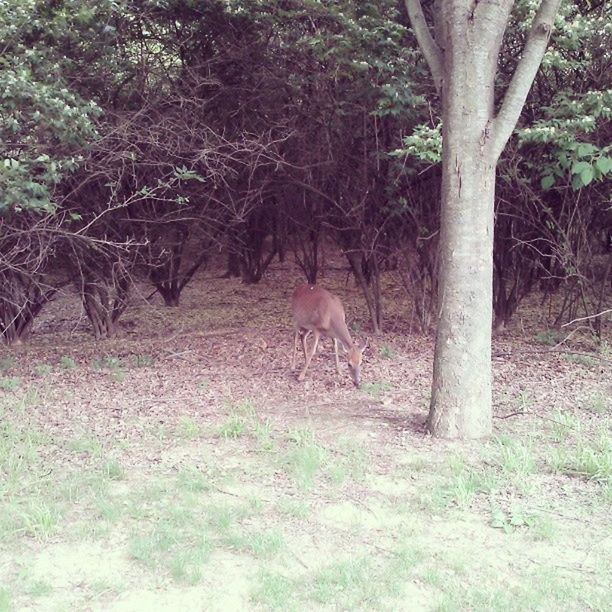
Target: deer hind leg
309 354
336 354
304 344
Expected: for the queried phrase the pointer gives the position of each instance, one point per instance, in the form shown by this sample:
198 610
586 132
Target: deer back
316 308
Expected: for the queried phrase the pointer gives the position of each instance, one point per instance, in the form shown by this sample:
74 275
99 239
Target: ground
181 466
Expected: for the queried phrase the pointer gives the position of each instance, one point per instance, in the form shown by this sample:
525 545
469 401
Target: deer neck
341 332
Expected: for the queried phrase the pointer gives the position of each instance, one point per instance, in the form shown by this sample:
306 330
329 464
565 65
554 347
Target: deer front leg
336 354
296 337
309 354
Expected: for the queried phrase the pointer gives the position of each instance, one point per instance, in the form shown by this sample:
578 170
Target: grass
243 420
471 526
273 590
263 544
386 352
42 370
591 460
514 458
234 427
84 445
112 365
338 579
107 363
5 600
39 519
113 470
9 384
67 363
192 480
598 402
187 428
305 458
549 337
376 389
7 364
143 361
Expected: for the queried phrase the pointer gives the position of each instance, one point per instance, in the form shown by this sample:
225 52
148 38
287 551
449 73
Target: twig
300 561
178 354
507 416
599 314
535 414
550 350
226 492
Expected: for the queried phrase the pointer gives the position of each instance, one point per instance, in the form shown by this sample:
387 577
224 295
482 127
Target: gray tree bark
462 56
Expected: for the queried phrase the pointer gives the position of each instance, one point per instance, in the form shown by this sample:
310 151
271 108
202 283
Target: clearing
181 466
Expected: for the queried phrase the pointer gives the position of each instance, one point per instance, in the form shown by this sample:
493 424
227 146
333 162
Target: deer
317 311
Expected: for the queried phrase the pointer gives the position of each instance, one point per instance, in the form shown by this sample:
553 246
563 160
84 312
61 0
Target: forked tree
461 47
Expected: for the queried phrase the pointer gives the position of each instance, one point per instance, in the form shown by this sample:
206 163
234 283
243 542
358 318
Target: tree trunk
462 57
461 392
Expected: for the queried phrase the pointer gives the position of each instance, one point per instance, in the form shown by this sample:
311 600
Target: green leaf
547 181
604 164
577 181
587 175
585 149
579 166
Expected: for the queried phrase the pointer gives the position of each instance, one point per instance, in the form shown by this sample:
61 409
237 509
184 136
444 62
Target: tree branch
427 44
524 75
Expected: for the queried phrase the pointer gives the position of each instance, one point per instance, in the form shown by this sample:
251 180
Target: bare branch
593 316
524 75
427 44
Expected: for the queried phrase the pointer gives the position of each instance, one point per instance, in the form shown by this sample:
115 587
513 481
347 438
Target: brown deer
318 311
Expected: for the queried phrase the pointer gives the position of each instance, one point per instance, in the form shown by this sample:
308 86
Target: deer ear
365 346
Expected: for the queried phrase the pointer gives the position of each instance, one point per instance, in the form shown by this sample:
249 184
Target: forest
170 170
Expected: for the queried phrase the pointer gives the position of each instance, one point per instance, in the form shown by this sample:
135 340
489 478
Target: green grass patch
376 389
107 363
549 337
5 600
187 428
192 480
587 361
386 352
514 458
143 361
591 460
234 426
305 458
598 402
113 470
67 363
39 588
176 544
273 590
9 384
295 508
85 445
42 370
7 364
263 544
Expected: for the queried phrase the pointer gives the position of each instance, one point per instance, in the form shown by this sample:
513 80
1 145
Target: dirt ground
181 466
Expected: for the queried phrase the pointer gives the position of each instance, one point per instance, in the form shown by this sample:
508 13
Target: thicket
136 137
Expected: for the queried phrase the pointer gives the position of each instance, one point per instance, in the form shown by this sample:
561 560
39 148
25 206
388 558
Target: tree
44 124
462 54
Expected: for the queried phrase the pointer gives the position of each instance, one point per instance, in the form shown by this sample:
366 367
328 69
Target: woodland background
139 138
